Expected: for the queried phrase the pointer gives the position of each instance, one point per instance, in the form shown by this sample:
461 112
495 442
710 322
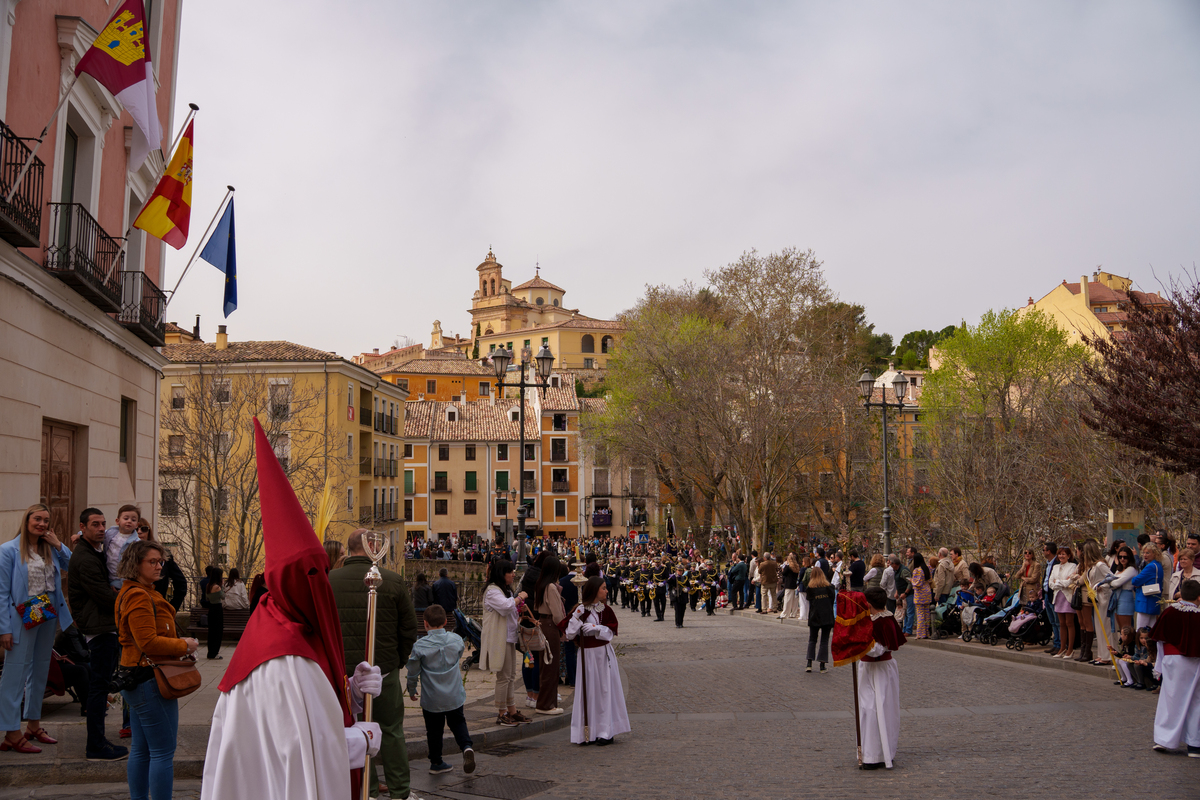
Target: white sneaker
551 712
559 696
530 702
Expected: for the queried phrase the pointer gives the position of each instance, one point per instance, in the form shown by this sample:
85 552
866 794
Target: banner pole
199 245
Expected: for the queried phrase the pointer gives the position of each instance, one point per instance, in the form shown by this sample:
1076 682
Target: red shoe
125 733
21 745
39 735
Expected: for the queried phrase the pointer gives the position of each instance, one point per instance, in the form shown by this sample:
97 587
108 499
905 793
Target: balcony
380 467
560 487
20 218
393 469
366 515
529 486
441 486
142 308
364 466
558 456
364 416
602 519
379 421
638 516
83 256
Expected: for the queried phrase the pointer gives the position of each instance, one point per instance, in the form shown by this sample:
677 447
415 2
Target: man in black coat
445 593
92 600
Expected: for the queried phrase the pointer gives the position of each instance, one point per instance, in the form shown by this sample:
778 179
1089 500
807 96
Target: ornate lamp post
900 385
501 358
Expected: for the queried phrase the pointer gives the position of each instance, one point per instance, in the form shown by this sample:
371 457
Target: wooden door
58 477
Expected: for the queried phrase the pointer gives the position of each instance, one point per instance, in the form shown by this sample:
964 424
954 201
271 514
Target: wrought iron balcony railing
364 466
560 487
142 308
82 254
441 485
21 217
365 416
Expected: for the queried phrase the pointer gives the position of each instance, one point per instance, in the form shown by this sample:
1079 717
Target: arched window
606 344
484 287
587 344
493 285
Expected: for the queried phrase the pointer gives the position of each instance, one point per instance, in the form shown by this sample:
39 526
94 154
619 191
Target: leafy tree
1146 387
913 350
475 349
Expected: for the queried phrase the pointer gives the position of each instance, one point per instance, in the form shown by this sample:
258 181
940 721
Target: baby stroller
472 636
947 617
1031 626
995 625
974 613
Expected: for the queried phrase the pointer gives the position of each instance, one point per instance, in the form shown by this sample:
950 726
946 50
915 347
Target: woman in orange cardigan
146 625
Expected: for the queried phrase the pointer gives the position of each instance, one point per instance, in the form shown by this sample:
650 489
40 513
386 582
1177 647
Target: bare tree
207 460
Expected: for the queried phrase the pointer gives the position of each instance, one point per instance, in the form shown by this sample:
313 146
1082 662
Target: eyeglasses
145 529
156 562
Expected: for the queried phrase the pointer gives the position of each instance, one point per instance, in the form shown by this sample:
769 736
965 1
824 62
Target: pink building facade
80 317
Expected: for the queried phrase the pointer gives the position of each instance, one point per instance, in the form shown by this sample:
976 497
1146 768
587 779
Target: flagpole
63 101
196 252
166 163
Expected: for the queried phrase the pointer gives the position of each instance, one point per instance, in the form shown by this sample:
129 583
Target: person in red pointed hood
284 723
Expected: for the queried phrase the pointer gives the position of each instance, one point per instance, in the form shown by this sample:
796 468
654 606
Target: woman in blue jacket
31 593
1146 605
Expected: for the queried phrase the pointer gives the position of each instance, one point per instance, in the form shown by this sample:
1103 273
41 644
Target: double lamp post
501 359
866 386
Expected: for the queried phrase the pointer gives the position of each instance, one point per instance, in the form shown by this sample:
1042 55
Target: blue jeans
758 597
910 614
25 669
155 724
1053 620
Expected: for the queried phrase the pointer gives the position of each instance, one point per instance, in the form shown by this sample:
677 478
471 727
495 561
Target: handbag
36 610
1077 598
1150 589
176 676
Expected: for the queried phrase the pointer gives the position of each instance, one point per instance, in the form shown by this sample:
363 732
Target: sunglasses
145 529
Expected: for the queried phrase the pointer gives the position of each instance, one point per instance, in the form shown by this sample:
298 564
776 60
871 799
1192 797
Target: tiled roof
579 322
1099 294
913 399
561 397
207 353
477 421
173 328
593 405
1109 317
538 282
441 366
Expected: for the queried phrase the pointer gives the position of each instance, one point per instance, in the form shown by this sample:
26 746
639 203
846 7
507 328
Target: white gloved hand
365 680
362 739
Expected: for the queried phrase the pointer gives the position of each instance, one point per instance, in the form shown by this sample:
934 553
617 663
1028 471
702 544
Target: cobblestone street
723 707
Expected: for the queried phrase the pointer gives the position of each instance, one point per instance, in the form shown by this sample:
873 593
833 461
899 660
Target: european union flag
221 253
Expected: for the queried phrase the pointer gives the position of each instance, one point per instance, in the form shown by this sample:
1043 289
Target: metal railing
380 467
365 416
393 468
21 217
366 515
364 466
530 486
142 308
560 487
441 485
82 254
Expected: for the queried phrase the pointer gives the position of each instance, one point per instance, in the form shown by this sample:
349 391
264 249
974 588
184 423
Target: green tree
914 347
475 349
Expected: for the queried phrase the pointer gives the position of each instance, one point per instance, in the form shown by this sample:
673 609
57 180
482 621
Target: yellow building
533 314
1092 307
458 454
326 417
445 379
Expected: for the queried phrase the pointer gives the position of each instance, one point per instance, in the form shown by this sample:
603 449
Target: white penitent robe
279 735
598 681
1177 720
879 710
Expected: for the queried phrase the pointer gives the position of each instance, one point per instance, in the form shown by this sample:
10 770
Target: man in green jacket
395 633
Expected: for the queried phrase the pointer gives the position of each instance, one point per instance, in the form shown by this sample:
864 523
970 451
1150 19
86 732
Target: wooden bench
235 623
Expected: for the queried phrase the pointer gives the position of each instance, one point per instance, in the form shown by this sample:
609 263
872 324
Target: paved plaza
723 707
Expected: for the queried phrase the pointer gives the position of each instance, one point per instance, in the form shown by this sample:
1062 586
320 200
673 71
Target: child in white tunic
599 712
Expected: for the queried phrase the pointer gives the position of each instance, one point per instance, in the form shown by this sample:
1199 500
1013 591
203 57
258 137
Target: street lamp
866 384
508 496
544 360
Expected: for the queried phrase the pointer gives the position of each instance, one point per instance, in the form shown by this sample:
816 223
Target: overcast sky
939 158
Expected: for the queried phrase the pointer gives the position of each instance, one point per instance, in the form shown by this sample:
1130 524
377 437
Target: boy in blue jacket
435 663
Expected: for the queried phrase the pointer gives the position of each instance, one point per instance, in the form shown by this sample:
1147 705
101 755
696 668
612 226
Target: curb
959 647
191 767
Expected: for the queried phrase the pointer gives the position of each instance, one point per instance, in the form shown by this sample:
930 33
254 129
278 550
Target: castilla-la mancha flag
169 209
119 62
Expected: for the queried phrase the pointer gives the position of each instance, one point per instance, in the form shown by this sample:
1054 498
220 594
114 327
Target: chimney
222 338
1031 301
375 350
196 329
1083 290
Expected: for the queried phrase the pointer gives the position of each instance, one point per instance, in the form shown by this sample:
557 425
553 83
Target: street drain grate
502 750
502 787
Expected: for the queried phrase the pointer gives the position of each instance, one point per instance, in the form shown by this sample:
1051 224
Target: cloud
941 159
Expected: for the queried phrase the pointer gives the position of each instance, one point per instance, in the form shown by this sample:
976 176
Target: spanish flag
166 215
